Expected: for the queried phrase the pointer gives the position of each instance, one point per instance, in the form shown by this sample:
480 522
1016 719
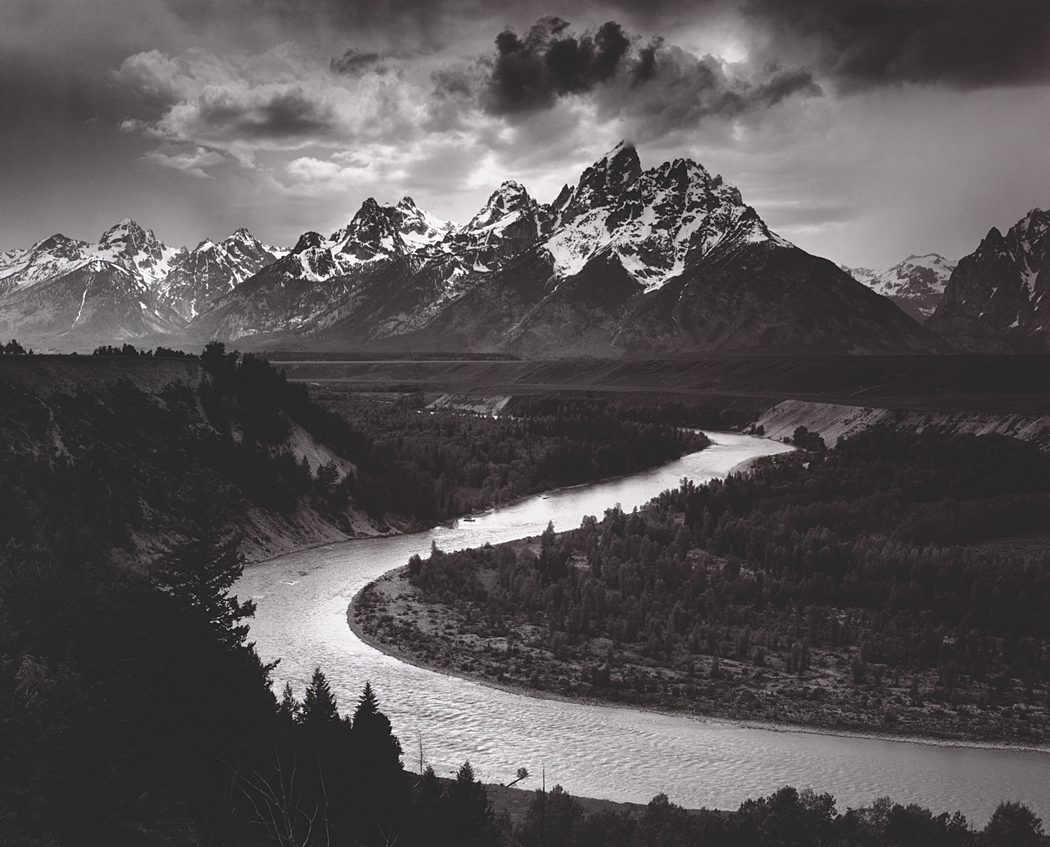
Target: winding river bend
597 751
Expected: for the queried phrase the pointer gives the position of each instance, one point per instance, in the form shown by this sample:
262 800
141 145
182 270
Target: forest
869 586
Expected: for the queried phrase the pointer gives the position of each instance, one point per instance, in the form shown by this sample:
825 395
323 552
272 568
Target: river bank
390 615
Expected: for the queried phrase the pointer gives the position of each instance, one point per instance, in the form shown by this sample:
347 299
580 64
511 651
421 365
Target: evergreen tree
469 814
1016 825
319 708
199 572
374 739
289 709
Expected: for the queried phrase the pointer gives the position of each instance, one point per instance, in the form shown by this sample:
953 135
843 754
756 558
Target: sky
860 130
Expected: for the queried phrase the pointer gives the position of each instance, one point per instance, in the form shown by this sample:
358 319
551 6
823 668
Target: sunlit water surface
598 751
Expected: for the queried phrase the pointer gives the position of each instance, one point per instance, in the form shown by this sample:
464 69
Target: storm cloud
868 43
626 77
532 72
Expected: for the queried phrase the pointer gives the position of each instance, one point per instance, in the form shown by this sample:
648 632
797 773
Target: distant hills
625 262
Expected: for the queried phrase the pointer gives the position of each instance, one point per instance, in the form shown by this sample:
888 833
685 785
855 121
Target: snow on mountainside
664 260
48 258
916 284
212 269
509 223
996 298
654 222
137 250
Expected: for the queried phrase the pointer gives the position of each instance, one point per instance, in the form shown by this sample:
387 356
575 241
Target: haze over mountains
626 262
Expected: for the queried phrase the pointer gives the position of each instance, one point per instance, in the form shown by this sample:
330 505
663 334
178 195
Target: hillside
140 438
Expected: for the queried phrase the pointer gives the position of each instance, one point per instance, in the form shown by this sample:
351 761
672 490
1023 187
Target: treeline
876 554
129 350
128 456
786 818
724 414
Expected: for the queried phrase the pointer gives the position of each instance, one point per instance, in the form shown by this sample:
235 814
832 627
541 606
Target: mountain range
625 262
66 293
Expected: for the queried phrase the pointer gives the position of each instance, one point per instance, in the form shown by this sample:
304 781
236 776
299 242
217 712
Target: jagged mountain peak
128 234
1035 219
243 234
309 241
509 199
418 229
602 182
996 297
60 245
656 222
373 232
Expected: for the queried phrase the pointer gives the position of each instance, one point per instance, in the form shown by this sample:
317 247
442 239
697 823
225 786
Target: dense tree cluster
868 553
13 348
440 464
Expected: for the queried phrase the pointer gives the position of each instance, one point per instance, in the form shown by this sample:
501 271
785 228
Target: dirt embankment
828 696
833 421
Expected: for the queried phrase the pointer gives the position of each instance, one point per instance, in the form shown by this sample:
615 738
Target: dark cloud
666 89
284 115
961 43
655 81
354 62
532 73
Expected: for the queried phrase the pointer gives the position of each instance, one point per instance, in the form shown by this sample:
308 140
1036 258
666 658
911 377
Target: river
597 751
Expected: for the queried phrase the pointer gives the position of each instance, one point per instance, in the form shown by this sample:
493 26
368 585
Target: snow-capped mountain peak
510 222
508 201
373 233
601 183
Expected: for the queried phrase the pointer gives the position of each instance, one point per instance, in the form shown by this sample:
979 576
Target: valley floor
390 615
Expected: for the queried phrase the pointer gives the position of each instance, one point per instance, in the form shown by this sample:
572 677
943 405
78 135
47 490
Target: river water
596 751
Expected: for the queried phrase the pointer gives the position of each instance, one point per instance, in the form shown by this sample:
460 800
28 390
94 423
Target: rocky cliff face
995 299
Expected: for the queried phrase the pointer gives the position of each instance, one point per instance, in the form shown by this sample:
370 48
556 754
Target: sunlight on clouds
192 163
283 100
